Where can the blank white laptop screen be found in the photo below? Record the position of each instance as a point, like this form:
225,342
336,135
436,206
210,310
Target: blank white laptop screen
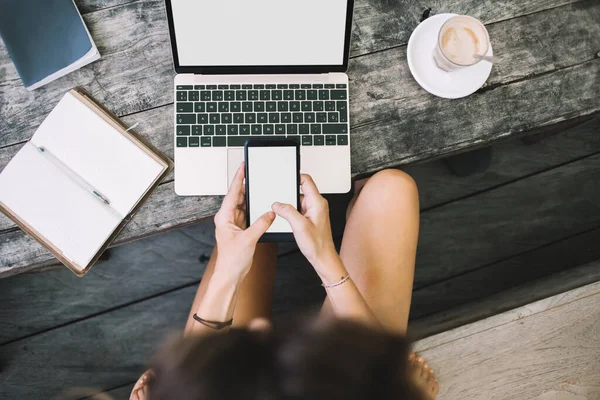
259,32
272,176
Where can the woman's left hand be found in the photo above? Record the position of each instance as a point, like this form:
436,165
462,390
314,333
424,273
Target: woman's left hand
236,243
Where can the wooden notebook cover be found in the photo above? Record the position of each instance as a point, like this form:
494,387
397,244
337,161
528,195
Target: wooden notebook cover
135,139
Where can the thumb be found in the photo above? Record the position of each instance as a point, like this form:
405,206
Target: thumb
290,214
260,226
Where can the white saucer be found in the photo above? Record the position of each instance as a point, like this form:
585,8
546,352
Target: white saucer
449,85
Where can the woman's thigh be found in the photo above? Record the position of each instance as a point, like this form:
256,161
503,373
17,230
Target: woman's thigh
380,244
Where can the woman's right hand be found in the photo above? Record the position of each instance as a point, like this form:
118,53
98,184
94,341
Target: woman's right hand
312,230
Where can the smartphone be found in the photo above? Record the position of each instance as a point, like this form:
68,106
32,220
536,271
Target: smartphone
272,175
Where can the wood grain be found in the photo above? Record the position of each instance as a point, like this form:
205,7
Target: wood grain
550,354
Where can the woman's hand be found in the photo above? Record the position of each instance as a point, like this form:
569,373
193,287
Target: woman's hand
312,230
236,243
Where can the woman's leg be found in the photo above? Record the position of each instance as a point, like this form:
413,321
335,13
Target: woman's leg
380,244
256,293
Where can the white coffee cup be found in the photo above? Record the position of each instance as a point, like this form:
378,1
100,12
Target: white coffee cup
460,40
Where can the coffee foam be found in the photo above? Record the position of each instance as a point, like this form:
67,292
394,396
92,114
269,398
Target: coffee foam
461,38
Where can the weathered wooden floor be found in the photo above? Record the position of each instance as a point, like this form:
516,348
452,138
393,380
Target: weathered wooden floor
490,242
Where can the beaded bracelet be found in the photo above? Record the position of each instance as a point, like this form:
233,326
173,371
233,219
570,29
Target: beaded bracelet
331,285
213,324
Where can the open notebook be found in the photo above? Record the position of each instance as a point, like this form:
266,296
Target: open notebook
78,181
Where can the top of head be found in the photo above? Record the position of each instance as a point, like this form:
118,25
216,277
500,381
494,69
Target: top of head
461,38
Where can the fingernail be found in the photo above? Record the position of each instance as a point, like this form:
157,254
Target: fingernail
276,205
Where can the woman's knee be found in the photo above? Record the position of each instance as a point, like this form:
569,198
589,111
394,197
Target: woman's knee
392,185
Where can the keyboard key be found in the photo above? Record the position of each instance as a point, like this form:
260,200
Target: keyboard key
304,129
298,117
235,87
319,140
184,87
330,106
276,95
332,117
261,118
265,95
338,94
300,94
223,107
215,118
182,96
315,129
321,117
259,86
237,141
221,87
203,118
229,95
294,106
329,86
307,140
206,141
217,95
211,87
271,106
342,140
306,106
286,117
240,95
341,85
185,107
309,117
295,86
282,106
330,140
246,106
317,106
288,95
335,128
205,95
194,142
305,86
273,118
280,129
251,118
259,106
343,116
200,107
244,129
199,87
318,86
183,130
282,86
238,118
246,86
209,130
232,129
211,107
294,137
235,106
256,129
342,106
323,94
268,129
311,94
271,86
186,119
219,141
220,130
194,95
292,129
197,130
226,118
253,95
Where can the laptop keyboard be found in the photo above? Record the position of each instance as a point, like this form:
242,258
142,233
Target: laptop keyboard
228,115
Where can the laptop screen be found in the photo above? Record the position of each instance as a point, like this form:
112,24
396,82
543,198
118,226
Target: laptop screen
210,33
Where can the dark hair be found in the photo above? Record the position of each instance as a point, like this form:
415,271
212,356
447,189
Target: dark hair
319,361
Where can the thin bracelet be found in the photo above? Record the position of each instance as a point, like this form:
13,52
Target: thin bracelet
213,324
337,283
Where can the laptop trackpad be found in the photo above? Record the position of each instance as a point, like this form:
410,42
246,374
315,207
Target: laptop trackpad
234,159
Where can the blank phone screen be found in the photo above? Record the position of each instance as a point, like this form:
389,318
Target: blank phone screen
272,175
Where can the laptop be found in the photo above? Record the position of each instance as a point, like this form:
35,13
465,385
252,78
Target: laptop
260,70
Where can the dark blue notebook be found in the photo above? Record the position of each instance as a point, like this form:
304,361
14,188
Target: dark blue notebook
45,39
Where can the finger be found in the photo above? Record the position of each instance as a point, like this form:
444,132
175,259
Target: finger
309,187
232,198
260,226
290,214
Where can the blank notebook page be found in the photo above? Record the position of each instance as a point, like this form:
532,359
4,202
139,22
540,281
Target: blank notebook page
98,153
62,211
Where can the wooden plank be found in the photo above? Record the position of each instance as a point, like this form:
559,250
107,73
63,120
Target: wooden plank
512,219
456,319
89,6
135,35
555,349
